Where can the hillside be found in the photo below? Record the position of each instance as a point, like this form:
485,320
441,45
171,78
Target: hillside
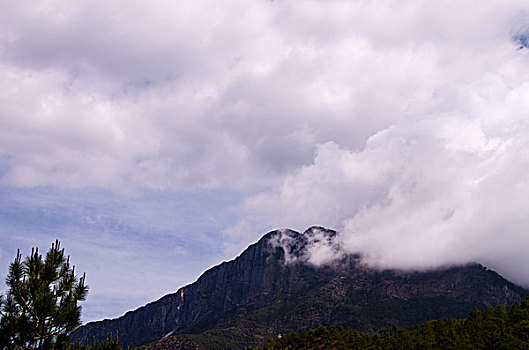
272,288
499,328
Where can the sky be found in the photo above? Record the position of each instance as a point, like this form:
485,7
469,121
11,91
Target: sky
157,139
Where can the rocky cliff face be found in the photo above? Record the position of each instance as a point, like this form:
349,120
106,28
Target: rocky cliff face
274,285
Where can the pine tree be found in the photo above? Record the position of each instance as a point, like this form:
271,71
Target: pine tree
40,310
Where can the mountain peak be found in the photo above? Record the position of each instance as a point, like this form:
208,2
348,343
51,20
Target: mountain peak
315,246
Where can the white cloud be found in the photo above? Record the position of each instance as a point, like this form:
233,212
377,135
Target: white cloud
179,250
444,188
237,94
401,123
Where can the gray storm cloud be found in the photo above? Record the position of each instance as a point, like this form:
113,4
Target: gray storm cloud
402,124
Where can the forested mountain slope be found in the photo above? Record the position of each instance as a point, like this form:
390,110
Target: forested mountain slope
495,329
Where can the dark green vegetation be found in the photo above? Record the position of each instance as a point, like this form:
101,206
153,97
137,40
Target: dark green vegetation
110,343
40,309
498,328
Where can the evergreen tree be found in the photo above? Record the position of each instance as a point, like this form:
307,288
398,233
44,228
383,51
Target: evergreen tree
40,310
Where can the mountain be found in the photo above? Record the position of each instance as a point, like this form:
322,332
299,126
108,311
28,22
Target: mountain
499,328
273,287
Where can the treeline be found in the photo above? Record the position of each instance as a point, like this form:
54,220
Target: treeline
498,328
63,343
110,343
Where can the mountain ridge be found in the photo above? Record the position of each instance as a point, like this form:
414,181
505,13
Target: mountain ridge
272,285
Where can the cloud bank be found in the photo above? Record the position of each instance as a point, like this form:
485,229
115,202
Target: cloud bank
402,124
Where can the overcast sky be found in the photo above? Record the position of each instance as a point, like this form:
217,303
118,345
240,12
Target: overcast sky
156,139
